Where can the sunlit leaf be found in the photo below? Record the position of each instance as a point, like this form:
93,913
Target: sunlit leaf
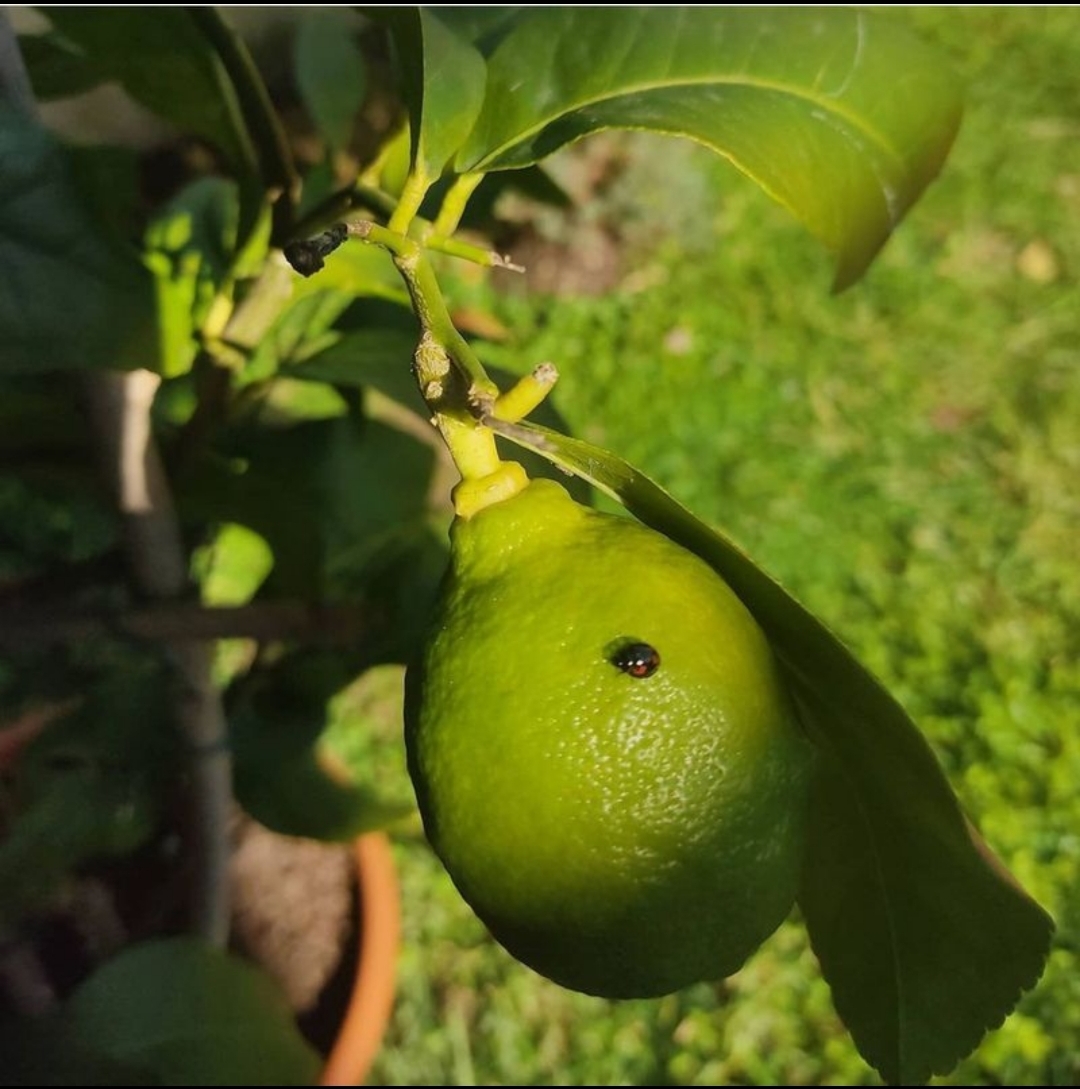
189,246
924,938
484,27
234,566
842,116
443,85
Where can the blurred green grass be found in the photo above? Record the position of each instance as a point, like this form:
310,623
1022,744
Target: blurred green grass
905,458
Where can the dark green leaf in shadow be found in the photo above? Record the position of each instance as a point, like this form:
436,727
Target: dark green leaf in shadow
842,116
57,68
330,73
44,1051
304,329
284,778
443,80
192,1015
91,785
356,482
924,938
377,358
108,182
164,61
276,170
70,296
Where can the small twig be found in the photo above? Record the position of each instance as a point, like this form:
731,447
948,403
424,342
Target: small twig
184,621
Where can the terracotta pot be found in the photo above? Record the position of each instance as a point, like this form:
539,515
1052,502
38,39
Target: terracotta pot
372,999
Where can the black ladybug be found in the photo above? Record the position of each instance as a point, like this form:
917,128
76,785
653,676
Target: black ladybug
637,659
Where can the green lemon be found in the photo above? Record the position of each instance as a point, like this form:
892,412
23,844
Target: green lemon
605,758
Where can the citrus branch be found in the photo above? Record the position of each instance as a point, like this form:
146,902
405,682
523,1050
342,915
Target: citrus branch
452,380
453,205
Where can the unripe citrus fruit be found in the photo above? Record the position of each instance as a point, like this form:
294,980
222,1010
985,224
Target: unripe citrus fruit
605,758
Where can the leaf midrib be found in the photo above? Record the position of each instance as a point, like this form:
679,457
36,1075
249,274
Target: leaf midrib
827,103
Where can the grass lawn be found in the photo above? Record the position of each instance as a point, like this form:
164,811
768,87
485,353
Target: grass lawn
905,458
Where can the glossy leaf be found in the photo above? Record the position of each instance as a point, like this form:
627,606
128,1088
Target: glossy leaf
70,296
190,1015
443,85
484,27
842,116
330,74
924,938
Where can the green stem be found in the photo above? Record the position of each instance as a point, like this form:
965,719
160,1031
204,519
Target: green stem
430,307
453,205
518,401
338,205
412,196
454,247
442,350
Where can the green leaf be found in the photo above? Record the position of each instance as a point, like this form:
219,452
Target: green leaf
190,68
192,1015
57,68
924,938
330,74
189,246
357,482
165,62
842,116
302,330
276,168
378,358
108,182
284,778
484,27
91,785
70,296
234,566
43,1051
443,85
